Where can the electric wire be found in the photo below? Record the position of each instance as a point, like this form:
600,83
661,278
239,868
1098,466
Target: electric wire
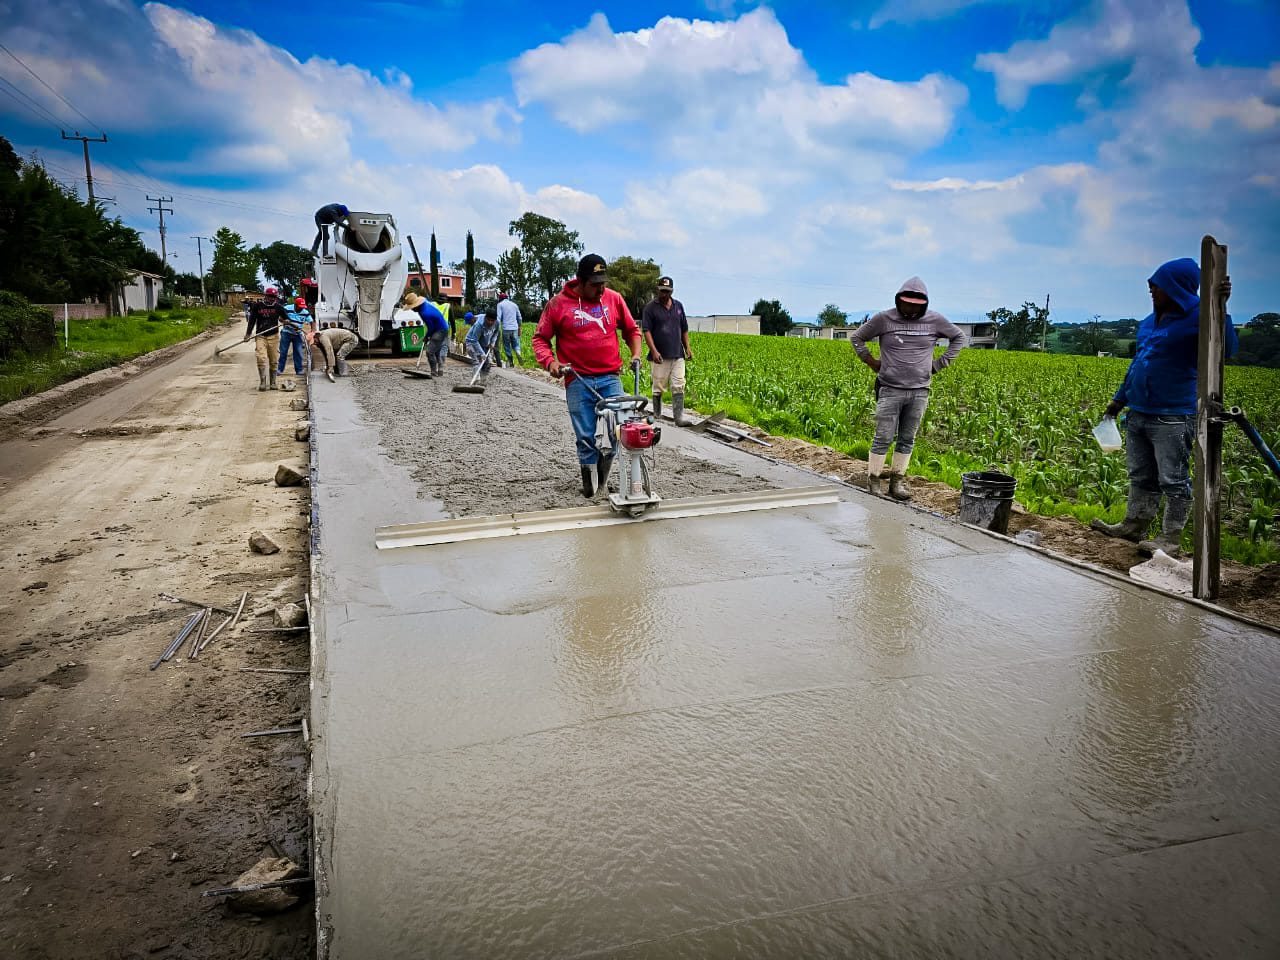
40,79
30,103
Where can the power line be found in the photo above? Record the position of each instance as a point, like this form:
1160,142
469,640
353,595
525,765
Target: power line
47,87
31,101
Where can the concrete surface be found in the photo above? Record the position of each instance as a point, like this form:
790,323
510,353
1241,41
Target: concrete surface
838,731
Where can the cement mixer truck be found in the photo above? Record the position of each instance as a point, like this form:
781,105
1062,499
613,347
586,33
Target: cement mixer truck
360,280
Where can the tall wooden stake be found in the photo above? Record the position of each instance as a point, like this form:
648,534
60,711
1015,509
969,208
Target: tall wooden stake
1208,478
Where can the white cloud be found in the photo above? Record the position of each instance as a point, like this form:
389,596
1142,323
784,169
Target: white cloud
735,87
915,11
1153,36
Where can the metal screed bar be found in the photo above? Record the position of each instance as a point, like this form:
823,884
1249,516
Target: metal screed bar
578,518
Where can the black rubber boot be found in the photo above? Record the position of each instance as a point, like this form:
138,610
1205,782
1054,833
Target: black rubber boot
262,376
1140,510
677,409
589,481
898,488
603,466
1176,510
873,485
657,405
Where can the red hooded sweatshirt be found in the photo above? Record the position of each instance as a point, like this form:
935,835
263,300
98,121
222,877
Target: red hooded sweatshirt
585,333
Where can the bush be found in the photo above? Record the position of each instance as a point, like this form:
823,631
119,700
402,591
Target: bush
164,303
23,328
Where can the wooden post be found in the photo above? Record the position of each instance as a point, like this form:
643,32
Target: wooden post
1208,465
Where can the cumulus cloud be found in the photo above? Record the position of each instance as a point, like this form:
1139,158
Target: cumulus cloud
737,85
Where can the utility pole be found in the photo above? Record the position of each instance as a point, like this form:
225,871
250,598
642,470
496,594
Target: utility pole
160,209
1044,324
200,255
88,169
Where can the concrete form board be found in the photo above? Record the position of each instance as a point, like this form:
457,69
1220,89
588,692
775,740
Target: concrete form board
846,730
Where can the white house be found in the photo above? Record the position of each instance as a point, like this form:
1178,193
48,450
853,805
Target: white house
140,291
726,323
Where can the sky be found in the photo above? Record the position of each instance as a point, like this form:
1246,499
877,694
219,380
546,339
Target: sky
812,152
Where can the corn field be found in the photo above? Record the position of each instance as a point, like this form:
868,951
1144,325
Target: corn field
1025,414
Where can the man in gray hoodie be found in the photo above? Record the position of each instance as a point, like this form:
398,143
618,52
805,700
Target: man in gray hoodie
904,369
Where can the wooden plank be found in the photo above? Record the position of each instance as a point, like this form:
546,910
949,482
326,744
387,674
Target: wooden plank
1208,450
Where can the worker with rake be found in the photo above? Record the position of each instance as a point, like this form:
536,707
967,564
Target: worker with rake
265,317
904,370
582,321
481,339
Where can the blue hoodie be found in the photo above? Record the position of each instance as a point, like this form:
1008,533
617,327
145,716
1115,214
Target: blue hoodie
1162,378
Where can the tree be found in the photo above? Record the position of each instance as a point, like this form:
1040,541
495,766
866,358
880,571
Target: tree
1260,342
516,277
774,319
435,268
549,250
233,265
833,316
285,263
1020,330
470,288
1090,338
186,285
636,280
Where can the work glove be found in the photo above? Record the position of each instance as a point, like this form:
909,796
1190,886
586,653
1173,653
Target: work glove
1113,409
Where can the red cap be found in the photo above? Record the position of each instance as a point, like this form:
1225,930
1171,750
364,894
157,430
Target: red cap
300,303
269,291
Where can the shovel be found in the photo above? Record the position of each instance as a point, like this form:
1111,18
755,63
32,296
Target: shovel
472,387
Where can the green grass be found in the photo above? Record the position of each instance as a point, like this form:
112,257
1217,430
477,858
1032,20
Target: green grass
97,344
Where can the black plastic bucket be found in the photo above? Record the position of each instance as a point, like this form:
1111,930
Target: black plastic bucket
986,499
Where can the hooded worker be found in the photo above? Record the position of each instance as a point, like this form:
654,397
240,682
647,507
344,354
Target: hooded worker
583,321
328,216
1159,389
265,318
904,371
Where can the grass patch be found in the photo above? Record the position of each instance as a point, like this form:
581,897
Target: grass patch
100,343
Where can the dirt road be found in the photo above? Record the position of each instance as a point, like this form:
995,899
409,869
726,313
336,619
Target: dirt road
125,792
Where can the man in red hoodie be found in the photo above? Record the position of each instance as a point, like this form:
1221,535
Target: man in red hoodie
583,319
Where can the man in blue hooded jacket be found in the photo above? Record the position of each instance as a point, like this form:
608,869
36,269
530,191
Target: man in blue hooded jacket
1160,391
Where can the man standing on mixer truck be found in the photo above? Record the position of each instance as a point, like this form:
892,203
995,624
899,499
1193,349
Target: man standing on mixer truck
583,320
1159,389
906,365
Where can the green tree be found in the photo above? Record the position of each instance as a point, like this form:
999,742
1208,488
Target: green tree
233,264
1089,338
187,285
285,263
549,249
833,316
1020,329
470,271
1260,342
516,277
774,319
636,280
435,268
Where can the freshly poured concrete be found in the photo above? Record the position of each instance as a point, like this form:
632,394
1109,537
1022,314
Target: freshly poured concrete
836,731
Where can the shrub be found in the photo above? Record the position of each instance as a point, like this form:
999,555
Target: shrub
24,328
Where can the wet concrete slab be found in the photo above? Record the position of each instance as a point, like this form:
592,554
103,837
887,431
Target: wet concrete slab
843,730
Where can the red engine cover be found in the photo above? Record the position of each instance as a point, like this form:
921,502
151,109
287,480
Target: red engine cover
638,435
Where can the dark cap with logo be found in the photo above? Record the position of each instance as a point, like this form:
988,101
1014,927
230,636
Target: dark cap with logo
664,283
593,269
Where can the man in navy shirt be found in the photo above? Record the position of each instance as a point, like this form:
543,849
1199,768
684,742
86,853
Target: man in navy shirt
666,334
1160,391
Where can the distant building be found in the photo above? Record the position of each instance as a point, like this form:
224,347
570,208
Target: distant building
805,330
726,323
453,286
140,291
982,336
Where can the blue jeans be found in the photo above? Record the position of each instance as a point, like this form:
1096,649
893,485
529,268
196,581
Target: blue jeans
511,344
1159,453
437,347
582,410
290,338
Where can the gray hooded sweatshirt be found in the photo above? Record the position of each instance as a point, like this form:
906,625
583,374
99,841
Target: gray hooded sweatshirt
906,346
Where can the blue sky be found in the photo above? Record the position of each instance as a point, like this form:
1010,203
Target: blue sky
813,152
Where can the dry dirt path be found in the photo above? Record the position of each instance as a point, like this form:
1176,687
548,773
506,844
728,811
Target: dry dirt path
125,792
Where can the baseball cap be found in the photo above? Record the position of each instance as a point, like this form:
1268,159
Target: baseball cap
664,283
269,291
593,269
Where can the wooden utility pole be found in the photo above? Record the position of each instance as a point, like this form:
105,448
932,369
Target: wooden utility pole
88,168
435,269
161,209
1208,479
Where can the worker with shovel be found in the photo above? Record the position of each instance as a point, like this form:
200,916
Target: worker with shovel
265,317
1159,389
582,321
437,345
904,370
